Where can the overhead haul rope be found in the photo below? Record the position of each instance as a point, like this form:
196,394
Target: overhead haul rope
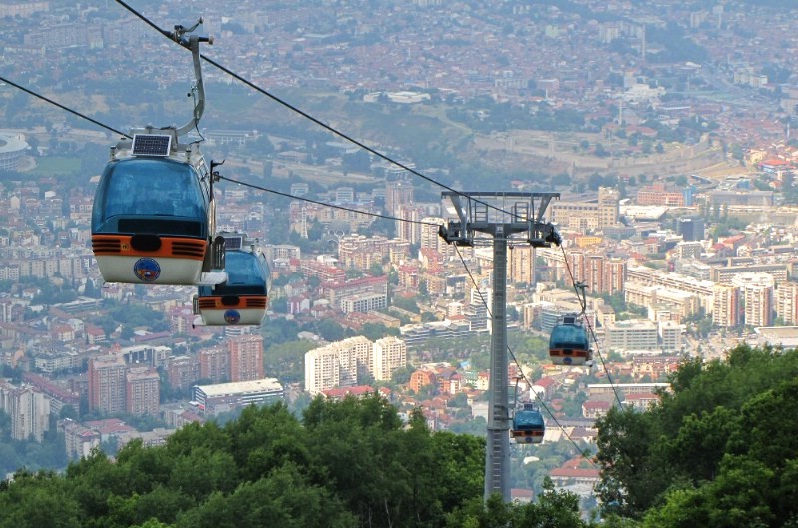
309,117
583,300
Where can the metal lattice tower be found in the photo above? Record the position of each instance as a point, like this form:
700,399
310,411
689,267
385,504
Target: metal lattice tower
500,215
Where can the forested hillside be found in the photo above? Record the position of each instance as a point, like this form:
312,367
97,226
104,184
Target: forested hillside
721,450
349,463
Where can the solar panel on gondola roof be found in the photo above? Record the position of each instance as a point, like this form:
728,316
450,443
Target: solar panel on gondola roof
233,242
151,144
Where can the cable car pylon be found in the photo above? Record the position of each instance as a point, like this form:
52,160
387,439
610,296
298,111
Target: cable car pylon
502,215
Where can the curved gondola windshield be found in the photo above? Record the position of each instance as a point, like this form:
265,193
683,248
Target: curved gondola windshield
528,419
569,336
246,274
154,188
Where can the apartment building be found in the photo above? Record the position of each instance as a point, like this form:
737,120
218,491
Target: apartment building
183,371
390,353
726,305
336,292
787,303
348,362
246,357
107,379
674,281
682,304
588,216
632,335
29,410
757,296
79,440
142,391
214,364
322,370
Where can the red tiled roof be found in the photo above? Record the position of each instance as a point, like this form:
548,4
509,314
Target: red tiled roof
360,390
545,382
584,473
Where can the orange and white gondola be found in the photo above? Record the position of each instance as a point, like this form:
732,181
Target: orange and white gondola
153,215
243,298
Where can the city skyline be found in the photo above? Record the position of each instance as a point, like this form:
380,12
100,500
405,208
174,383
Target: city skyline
680,248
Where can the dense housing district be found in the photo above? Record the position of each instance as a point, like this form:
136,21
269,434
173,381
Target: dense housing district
680,258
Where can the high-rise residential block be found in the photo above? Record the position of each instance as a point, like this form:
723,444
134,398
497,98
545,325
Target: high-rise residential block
107,384
142,387
390,353
246,358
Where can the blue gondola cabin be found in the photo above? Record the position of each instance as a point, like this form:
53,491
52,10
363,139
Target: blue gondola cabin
528,425
153,214
569,343
243,298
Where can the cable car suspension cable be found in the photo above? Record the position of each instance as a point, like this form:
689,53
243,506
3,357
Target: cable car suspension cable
583,300
304,114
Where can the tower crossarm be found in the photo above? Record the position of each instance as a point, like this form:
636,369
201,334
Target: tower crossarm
499,214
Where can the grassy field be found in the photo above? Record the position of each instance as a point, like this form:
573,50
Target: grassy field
55,165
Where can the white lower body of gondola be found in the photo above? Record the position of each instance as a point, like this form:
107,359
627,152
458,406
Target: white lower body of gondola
232,317
150,270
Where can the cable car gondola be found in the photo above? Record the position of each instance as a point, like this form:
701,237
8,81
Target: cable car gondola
528,425
243,297
569,343
153,216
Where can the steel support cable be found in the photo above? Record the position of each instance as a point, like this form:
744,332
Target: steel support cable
332,206
309,117
592,334
62,107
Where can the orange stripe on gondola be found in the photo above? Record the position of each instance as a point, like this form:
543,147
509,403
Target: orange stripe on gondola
561,353
215,302
527,433
171,247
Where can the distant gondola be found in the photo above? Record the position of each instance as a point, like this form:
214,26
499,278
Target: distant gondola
528,425
243,298
569,343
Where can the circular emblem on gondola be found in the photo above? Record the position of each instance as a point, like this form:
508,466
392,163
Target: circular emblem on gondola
567,360
147,269
232,316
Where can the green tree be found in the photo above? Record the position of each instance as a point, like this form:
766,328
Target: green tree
285,498
36,500
716,451
330,330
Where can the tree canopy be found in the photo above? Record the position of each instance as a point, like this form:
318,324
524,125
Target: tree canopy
348,463
720,450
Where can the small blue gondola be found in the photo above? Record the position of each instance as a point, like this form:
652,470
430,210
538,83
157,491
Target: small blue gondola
569,343
243,298
528,425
